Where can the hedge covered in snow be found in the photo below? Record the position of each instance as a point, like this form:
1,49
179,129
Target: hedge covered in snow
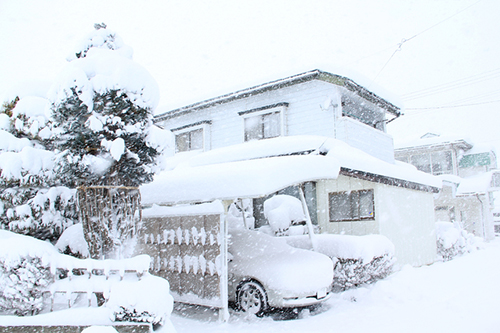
24,273
357,259
147,300
28,268
452,241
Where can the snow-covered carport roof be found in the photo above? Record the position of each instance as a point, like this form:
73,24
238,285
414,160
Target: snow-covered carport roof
315,74
480,184
258,168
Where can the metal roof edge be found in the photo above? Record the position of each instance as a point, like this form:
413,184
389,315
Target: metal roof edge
280,83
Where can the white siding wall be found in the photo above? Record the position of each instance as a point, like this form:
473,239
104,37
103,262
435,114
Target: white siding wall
305,115
405,216
361,136
314,109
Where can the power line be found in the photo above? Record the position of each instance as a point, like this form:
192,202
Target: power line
452,106
400,44
488,75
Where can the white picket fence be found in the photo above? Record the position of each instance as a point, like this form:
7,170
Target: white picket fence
88,276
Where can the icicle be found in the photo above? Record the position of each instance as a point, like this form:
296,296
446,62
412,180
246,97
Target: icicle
195,264
187,264
179,235
195,234
203,236
178,264
171,236
211,267
203,264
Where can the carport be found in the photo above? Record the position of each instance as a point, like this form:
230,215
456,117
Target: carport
184,224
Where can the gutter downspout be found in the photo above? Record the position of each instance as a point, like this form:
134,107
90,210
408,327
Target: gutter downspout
482,216
310,228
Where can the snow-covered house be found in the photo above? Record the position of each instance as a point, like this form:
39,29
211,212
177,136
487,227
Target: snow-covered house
469,179
317,132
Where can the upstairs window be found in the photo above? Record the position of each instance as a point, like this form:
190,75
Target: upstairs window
351,206
437,163
363,111
191,140
263,126
263,123
192,136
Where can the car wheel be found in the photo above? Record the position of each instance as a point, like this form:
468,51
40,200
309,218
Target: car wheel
251,298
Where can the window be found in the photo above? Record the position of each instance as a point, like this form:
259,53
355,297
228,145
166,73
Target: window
441,163
363,111
263,126
264,123
193,136
437,163
351,206
422,162
190,140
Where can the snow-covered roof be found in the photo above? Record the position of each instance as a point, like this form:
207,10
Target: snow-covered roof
482,183
257,168
425,142
315,74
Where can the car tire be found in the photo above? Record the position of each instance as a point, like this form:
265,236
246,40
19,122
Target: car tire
251,298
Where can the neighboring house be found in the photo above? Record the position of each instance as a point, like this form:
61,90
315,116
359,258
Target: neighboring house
469,179
315,132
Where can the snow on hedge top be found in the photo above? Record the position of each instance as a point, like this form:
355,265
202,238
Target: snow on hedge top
107,65
258,168
364,248
14,246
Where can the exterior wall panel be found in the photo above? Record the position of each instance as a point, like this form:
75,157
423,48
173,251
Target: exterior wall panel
404,216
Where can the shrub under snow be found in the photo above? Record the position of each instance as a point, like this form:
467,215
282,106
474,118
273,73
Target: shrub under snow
357,259
452,241
147,300
24,273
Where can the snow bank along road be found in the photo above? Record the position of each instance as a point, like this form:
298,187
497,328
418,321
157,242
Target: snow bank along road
461,295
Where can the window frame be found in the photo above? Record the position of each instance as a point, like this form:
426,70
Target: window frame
363,111
261,112
202,125
354,211
434,165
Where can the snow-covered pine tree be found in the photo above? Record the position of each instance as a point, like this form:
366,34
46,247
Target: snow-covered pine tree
102,111
30,203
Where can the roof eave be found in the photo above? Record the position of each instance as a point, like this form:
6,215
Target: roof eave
278,84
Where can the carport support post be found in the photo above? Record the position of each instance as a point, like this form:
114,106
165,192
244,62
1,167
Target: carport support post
224,310
310,228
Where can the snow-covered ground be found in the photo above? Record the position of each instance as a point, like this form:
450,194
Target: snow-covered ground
461,295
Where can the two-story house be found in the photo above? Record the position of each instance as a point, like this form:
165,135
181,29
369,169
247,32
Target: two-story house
469,179
317,133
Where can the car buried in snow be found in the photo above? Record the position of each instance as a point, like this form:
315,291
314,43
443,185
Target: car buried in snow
265,273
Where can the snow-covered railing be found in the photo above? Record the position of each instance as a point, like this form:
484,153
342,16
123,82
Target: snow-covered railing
89,276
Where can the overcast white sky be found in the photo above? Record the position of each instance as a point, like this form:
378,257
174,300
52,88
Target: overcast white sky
201,49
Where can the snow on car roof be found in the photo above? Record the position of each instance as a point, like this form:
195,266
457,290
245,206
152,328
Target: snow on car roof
258,168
